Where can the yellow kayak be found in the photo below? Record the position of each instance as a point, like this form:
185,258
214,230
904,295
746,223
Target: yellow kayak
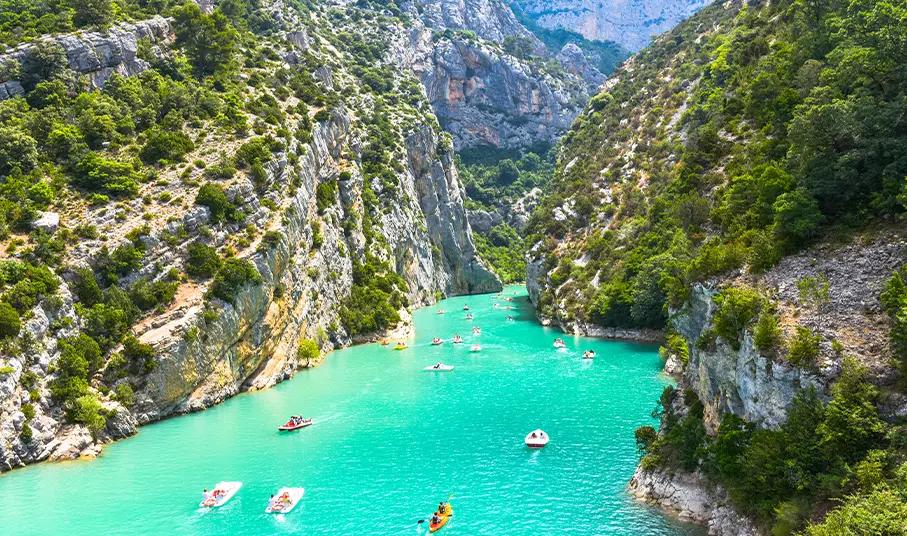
401,346
432,527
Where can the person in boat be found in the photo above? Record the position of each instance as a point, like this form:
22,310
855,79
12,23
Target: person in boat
272,501
205,495
438,365
533,436
285,498
435,518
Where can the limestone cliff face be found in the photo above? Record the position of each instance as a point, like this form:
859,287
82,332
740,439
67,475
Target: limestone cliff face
96,55
251,344
480,94
489,19
484,97
630,23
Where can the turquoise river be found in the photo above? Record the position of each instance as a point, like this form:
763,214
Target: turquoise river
389,441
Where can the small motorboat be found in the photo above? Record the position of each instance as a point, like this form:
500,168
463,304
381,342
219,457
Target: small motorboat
440,311
385,342
401,346
222,492
436,341
469,316
510,319
495,306
476,331
465,307
588,354
559,343
439,367
536,439
285,500
457,339
295,423
475,348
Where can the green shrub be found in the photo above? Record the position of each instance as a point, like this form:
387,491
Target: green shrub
167,146
269,241
768,335
804,347
9,321
87,410
212,196
375,299
98,174
894,303
322,115
308,351
317,237
138,355
124,394
675,344
148,295
255,150
203,260
326,195
737,308
231,277
813,290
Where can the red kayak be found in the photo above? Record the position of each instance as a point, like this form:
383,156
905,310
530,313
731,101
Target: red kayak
290,426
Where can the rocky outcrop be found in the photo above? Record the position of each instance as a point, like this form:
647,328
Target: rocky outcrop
489,19
484,97
630,23
573,59
686,496
480,94
441,198
741,381
202,359
96,55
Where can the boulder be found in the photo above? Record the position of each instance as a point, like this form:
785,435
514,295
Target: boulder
48,222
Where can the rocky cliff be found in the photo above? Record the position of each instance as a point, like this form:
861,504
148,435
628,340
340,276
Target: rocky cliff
96,55
630,23
483,95
304,248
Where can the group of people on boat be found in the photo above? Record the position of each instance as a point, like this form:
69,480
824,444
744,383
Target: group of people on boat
212,496
436,341
279,503
559,343
476,330
457,339
296,420
589,354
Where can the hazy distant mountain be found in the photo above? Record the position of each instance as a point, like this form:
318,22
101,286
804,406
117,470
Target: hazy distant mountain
630,23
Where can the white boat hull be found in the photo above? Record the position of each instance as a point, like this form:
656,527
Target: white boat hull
295,495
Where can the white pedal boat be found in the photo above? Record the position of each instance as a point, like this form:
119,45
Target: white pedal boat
439,366
536,439
281,507
229,489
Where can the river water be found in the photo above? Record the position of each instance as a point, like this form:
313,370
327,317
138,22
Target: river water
389,441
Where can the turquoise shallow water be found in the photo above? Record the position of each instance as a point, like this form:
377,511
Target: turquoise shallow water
390,441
